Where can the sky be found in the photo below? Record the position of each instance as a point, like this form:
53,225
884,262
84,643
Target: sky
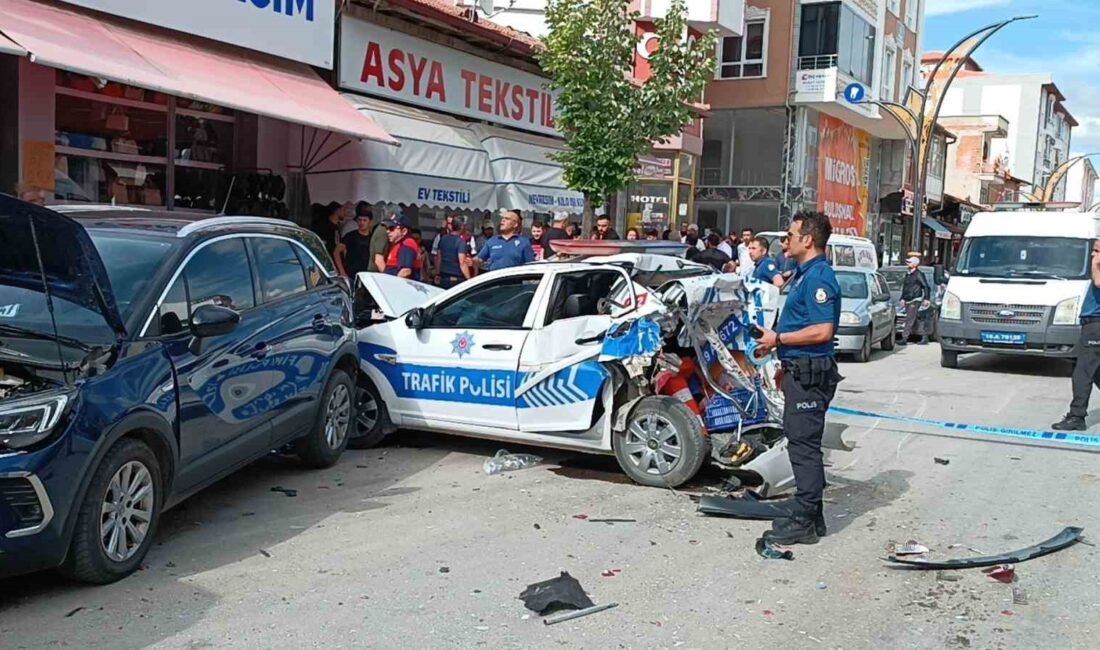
1062,41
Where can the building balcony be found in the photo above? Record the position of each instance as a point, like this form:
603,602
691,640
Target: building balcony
727,17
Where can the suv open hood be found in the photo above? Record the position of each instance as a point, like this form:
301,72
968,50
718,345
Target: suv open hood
74,269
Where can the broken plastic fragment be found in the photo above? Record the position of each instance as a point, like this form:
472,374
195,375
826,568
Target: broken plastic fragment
1068,536
1005,573
562,592
909,548
506,462
769,551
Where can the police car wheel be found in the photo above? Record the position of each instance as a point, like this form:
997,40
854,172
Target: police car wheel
664,444
369,424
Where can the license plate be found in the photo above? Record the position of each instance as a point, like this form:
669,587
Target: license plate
1004,338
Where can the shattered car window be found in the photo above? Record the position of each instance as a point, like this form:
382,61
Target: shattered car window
494,305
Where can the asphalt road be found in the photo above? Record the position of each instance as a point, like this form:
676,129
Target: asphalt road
412,545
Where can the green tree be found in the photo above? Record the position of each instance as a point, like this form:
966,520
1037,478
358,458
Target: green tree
609,120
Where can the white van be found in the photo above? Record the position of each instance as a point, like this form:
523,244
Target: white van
842,250
1018,285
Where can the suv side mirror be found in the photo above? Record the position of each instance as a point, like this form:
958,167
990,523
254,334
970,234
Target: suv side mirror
213,320
882,297
416,319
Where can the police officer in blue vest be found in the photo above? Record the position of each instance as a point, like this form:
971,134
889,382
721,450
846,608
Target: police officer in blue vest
1087,370
804,342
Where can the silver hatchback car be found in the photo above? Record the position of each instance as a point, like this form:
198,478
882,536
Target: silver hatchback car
866,313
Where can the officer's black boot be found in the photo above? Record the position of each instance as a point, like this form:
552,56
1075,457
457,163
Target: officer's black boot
1070,423
923,340
799,529
819,523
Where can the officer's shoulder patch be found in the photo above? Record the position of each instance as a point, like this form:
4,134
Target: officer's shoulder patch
820,296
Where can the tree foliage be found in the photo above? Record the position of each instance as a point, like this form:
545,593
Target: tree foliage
608,119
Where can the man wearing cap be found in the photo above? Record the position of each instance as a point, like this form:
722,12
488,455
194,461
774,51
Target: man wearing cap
555,232
509,248
915,295
380,240
403,260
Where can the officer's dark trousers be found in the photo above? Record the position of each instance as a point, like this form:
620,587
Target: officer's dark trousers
806,399
1085,372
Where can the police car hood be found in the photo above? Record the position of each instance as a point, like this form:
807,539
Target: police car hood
396,296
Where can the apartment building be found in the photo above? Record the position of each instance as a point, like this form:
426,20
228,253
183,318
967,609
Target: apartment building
1081,184
782,135
1040,127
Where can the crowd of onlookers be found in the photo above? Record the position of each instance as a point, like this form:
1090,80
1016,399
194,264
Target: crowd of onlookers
360,243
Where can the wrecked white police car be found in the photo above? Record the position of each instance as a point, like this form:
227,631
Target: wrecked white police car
612,347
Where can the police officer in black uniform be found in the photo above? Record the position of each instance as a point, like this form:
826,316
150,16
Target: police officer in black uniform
804,342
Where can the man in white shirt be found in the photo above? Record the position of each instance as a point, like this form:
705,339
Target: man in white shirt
694,228
745,265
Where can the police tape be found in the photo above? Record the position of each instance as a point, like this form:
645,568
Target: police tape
1024,434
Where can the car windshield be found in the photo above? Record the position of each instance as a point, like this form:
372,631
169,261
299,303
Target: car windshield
852,285
131,262
1064,258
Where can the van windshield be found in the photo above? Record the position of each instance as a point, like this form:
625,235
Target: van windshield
1060,258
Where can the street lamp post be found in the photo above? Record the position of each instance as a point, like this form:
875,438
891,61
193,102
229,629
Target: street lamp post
922,108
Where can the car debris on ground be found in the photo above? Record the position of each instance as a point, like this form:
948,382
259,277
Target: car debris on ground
1068,537
504,461
549,596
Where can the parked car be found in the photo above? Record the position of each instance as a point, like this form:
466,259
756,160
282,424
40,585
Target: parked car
894,276
842,250
866,316
583,356
142,358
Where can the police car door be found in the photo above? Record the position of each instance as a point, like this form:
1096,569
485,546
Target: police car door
459,369
561,379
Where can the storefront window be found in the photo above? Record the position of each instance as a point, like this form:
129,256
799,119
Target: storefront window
649,206
687,167
112,144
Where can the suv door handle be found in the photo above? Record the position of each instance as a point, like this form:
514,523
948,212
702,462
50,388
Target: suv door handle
259,352
497,347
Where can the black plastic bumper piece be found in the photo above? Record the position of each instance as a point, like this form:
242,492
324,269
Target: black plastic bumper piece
748,507
1068,537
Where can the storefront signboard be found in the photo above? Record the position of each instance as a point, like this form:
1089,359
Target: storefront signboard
815,85
843,157
299,30
378,61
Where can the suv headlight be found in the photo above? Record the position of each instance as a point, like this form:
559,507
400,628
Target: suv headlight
849,318
23,422
1065,313
952,307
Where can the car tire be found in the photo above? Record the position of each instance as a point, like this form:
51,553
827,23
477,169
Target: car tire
325,443
949,359
863,354
369,422
664,443
890,340
101,552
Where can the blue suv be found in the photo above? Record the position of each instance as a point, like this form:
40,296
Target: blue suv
144,356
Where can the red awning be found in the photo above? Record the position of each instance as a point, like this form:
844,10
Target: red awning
177,64
8,47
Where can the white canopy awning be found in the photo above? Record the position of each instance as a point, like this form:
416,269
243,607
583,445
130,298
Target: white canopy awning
443,162
527,178
440,163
